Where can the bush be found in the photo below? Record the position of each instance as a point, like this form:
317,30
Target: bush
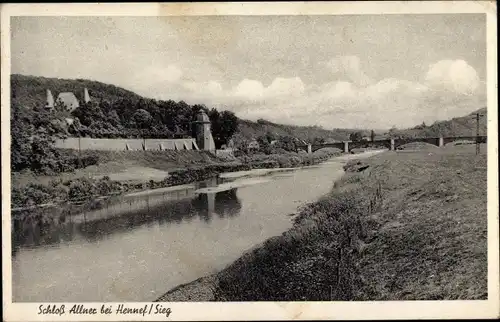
70,160
89,160
80,189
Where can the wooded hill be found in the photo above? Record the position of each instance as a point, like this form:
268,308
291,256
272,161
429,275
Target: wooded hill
458,126
30,91
260,128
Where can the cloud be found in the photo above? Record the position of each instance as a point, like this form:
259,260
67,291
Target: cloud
348,68
351,100
335,90
285,87
249,89
453,75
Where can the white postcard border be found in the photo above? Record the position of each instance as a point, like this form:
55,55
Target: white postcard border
265,310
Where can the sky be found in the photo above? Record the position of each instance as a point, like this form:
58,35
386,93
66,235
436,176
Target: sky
345,71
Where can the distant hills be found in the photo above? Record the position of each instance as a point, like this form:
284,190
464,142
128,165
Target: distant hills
250,129
458,126
30,91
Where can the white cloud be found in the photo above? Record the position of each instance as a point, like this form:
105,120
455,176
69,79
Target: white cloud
453,75
285,87
353,101
249,89
338,90
348,68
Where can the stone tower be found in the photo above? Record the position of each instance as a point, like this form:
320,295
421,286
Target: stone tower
203,134
50,100
86,96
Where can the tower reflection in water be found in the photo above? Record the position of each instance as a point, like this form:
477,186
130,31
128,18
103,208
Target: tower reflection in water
222,204
51,227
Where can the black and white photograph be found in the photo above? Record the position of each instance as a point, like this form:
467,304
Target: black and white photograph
179,157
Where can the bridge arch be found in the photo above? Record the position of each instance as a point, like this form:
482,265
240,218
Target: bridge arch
400,142
301,148
336,145
464,139
370,144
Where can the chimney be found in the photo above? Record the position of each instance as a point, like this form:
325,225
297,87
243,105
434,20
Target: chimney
86,96
50,99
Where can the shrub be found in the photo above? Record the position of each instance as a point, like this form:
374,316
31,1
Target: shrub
80,188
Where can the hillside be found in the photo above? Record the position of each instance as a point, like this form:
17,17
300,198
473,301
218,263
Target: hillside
250,129
458,126
29,91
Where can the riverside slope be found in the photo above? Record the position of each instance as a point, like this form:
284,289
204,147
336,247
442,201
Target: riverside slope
412,225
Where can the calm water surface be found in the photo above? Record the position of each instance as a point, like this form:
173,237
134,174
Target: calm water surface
135,248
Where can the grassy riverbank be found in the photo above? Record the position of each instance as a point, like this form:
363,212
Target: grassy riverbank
121,172
410,225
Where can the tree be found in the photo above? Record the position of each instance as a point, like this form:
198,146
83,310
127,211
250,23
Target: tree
318,140
264,144
240,142
392,132
270,136
286,143
33,134
20,132
372,136
114,119
142,118
223,126
356,136
88,113
78,129
125,108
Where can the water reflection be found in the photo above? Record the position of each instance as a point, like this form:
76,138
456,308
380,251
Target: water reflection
100,219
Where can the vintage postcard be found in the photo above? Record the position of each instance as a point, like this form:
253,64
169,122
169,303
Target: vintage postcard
246,161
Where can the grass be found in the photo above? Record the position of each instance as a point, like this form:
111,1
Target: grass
125,165
410,226
431,232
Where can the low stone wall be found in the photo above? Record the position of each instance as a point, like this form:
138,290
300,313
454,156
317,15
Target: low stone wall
126,144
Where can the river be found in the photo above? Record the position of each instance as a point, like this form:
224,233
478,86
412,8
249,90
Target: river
137,247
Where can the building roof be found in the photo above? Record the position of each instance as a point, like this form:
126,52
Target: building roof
68,99
70,121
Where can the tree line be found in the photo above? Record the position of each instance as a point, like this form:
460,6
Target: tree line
34,130
148,118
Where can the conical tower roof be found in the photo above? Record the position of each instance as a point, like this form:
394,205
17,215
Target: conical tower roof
202,117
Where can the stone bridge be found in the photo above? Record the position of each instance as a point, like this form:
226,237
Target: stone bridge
391,144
